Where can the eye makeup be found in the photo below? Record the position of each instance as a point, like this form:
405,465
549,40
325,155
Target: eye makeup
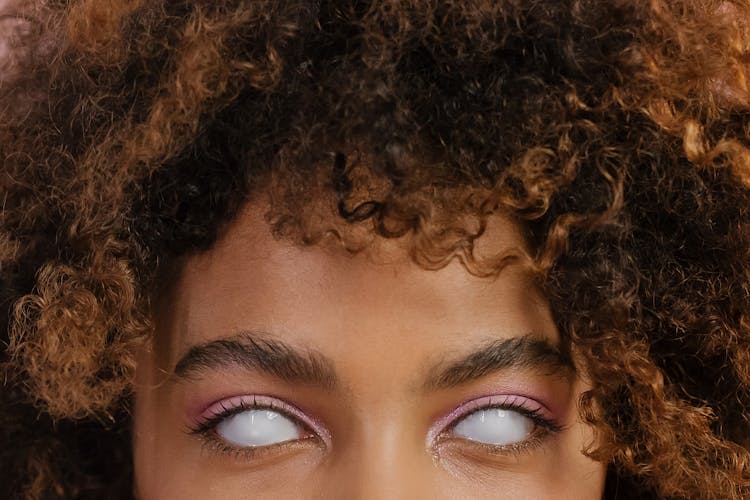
205,424
544,422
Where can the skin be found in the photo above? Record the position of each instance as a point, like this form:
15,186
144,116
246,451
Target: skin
384,330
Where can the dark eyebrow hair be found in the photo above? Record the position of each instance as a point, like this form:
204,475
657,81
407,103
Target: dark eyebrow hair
517,352
256,351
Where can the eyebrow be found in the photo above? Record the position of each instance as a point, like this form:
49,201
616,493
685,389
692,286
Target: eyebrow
255,351
526,352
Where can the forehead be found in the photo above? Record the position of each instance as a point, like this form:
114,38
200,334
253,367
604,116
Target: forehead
328,299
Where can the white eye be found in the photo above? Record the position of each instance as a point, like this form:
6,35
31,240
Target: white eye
261,427
495,426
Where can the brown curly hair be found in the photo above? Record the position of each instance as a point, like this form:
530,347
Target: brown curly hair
132,132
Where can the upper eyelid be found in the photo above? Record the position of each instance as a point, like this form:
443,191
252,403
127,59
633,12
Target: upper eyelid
212,420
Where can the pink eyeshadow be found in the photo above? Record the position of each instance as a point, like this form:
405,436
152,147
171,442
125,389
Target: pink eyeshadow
262,401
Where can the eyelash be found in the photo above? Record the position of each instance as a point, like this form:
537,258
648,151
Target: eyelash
205,430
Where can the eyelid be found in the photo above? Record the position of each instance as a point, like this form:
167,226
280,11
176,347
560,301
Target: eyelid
252,401
509,401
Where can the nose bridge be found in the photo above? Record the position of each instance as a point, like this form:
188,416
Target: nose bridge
388,460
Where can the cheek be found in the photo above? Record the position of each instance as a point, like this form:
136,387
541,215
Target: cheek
557,473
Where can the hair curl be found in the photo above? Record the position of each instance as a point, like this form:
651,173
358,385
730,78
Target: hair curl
132,131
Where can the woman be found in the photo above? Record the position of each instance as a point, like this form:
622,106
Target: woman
376,249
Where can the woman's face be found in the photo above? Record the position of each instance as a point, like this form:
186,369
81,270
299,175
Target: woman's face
305,372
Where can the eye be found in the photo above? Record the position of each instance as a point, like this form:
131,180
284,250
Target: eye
258,427
495,426
257,424
500,424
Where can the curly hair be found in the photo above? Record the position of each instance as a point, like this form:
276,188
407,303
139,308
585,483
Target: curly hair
133,131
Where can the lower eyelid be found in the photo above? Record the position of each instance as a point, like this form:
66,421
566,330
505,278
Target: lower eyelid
250,400
447,445
216,445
